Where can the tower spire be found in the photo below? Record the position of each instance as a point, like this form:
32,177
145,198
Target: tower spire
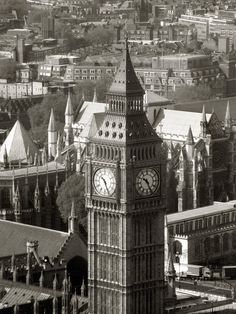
126,85
228,121
5,158
69,113
52,135
95,95
190,140
203,123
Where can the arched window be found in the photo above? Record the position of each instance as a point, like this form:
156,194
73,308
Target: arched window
217,244
207,246
197,248
234,240
225,242
5,197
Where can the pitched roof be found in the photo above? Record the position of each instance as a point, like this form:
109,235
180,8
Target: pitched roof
15,235
175,124
126,81
21,295
218,105
17,143
153,98
217,207
88,109
93,125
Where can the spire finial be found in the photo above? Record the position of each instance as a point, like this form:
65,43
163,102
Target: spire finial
51,125
227,116
190,140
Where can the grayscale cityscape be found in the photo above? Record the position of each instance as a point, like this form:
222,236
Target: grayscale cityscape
117,156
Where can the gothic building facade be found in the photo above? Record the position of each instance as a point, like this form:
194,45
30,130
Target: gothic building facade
125,201
200,152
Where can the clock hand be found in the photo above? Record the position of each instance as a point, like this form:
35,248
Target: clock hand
147,182
104,181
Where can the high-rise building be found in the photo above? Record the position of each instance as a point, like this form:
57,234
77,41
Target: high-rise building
48,26
125,201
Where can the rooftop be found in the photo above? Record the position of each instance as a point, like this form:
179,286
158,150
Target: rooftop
216,208
175,124
14,237
32,170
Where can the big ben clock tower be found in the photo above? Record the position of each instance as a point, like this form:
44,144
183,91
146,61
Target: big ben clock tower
125,202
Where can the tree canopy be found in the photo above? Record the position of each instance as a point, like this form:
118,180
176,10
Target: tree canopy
100,35
72,190
40,113
190,93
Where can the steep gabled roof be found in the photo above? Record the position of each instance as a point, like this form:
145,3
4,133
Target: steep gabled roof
175,124
17,144
126,81
15,235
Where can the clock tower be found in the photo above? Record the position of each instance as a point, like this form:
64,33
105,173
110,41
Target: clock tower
125,202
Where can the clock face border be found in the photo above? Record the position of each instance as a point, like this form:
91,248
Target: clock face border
147,181
104,182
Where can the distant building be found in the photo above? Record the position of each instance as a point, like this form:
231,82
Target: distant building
56,66
169,72
47,26
16,90
204,236
200,154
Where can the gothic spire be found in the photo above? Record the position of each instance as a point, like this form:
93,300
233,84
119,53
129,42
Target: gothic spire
95,95
126,81
58,155
82,289
52,124
55,282
227,116
5,158
69,108
190,140
41,279
203,123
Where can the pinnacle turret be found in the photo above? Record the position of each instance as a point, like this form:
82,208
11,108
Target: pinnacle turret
52,135
69,113
95,95
52,124
203,123
190,140
228,121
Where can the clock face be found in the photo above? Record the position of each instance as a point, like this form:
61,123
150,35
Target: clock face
104,181
147,181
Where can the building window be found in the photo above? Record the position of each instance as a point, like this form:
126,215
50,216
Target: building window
207,246
197,248
114,231
103,230
217,244
234,240
5,197
225,242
